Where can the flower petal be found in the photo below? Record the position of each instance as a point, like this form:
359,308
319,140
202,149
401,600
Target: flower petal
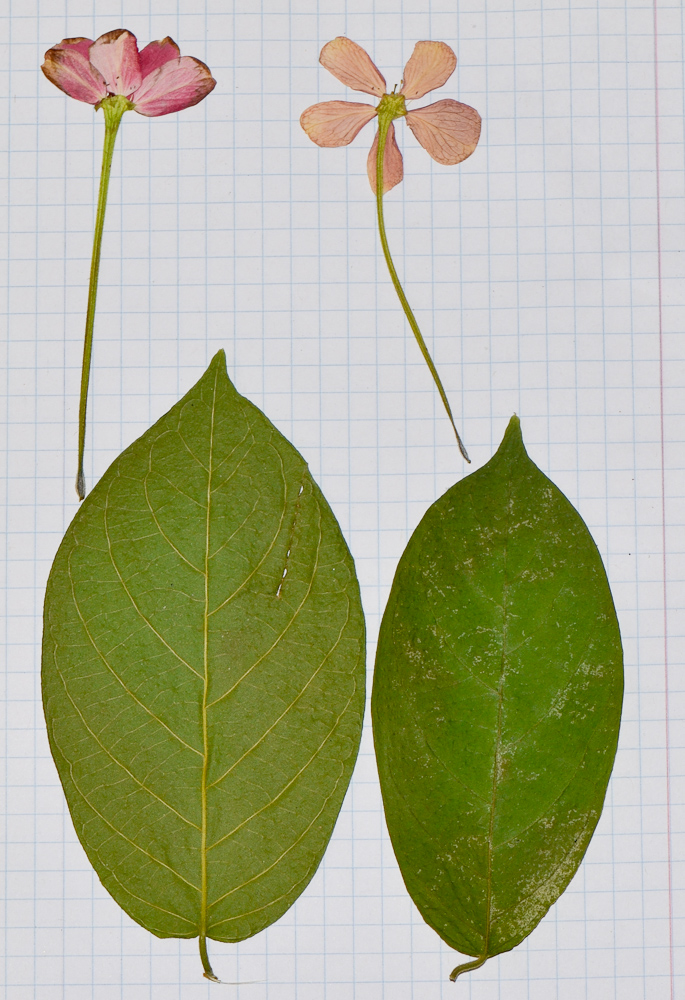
393,167
115,55
81,45
156,54
448,130
352,66
430,65
71,71
177,84
335,123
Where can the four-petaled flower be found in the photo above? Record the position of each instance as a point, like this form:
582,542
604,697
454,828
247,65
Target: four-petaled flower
448,130
155,81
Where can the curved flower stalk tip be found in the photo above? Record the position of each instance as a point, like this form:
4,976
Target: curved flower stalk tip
112,74
447,130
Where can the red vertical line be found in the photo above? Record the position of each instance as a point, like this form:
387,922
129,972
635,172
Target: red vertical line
663,499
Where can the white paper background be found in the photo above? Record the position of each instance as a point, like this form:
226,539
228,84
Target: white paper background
547,274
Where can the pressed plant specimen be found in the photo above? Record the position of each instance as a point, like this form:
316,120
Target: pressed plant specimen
448,130
114,76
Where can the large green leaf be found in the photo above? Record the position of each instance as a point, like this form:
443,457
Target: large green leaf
203,670
496,703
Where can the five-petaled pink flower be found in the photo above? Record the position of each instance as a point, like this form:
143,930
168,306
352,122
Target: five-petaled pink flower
156,81
448,130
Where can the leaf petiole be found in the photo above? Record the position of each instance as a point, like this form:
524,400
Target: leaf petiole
467,967
206,965
384,121
113,109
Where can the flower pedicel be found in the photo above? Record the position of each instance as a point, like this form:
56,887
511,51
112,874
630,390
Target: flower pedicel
448,130
112,74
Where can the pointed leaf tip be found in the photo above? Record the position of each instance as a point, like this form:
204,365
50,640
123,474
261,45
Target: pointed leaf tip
514,424
512,442
217,372
219,361
513,431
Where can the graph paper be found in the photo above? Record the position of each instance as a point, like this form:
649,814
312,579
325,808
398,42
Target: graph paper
547,274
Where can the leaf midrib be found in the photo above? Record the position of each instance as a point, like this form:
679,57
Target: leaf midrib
498,739
204,786
205,688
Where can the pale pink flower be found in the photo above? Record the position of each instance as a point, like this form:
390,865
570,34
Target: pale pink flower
157,80
448,130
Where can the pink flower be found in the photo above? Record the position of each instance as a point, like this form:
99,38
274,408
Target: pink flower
448,130
157,80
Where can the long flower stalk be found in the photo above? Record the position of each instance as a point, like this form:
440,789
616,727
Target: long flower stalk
111,73
385,117
113,108
448,130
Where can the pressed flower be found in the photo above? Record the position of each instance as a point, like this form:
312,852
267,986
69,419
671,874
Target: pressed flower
155,81
112,74
448,130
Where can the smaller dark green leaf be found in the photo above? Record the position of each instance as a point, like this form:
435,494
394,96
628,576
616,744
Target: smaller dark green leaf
496,703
